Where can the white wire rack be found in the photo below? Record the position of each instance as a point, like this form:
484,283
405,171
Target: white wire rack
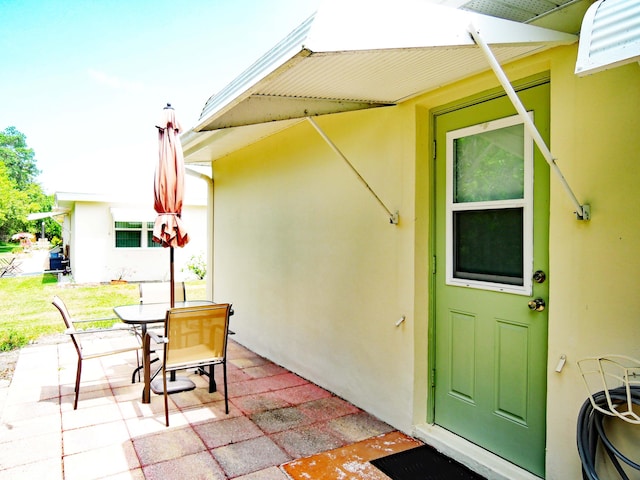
609,372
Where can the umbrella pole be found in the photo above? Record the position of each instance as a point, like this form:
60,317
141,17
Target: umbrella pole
171,278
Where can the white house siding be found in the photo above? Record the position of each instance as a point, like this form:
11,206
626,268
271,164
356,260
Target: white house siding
94,257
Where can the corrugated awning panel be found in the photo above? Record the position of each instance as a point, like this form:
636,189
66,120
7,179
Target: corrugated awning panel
337,82
610,36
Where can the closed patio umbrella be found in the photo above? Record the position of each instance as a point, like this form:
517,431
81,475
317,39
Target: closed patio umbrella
169,229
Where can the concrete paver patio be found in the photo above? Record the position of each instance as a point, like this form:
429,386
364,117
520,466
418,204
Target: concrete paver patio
275,417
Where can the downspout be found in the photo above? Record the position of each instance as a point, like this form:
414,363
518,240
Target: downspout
210,211
583,212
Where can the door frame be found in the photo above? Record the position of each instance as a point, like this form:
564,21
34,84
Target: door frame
481,97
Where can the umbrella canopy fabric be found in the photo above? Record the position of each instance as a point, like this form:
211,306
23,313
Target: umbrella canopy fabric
169,229
23,236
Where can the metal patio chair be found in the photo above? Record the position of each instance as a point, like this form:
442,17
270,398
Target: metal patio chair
84,354
193,337
156,292
9,266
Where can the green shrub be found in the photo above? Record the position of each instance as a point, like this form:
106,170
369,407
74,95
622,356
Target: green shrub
198,265
10,340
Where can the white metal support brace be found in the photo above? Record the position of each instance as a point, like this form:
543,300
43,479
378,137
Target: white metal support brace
583,212
393,217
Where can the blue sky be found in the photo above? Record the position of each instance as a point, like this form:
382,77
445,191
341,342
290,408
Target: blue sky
86,81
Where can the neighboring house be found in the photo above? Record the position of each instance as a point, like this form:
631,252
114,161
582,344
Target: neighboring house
109,238
430,318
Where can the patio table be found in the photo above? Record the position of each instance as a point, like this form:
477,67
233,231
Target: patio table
144,315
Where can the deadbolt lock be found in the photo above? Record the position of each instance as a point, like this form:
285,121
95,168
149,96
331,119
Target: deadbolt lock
539,276
537,304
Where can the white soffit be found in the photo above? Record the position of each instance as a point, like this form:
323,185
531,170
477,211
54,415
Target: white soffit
610,36
355,55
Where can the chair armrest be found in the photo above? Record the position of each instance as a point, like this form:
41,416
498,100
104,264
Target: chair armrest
89,320
157,338
73,331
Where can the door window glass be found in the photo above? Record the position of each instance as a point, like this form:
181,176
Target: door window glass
490,165
489,200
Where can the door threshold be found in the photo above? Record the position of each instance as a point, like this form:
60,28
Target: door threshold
470,455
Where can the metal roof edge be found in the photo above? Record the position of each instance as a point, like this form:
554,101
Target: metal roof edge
283,51
339,28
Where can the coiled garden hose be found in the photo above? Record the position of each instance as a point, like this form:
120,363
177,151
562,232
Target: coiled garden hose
591,430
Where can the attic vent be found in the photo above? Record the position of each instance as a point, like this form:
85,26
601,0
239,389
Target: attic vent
610,36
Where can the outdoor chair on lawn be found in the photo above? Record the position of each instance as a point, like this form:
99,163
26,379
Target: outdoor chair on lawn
9,266
156,292
74,333
194,337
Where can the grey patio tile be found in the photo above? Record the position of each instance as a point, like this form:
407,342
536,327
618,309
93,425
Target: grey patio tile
200,465
198,396
29,410
302,393
271,473
248,361
266,370
359,426
249,387
30,450
84,417
31,427
173,443
88,397
260,402
249,456
210,412
272,421
306,441
327,408
101,462
135,474
224,432
286,380
96,436
51,469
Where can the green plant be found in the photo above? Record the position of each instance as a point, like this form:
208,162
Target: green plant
12,339
198,266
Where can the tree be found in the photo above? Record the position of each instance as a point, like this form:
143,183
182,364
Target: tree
18,158
20,194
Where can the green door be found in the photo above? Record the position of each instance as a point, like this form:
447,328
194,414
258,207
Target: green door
491,237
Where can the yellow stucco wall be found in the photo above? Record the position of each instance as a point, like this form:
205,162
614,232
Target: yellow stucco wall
318,276
316,272
594,292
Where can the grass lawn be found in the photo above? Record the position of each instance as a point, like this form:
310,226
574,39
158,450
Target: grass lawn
27,312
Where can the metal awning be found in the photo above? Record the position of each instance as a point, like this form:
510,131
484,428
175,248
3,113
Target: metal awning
610,36
351,56
42,215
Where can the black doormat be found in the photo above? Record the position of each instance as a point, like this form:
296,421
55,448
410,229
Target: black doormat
423,463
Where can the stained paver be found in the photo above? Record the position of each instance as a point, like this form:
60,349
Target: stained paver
275,417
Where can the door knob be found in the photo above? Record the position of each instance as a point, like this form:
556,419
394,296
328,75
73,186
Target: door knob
537,304
539,276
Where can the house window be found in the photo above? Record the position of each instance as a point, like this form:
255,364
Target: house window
150,242
131,235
